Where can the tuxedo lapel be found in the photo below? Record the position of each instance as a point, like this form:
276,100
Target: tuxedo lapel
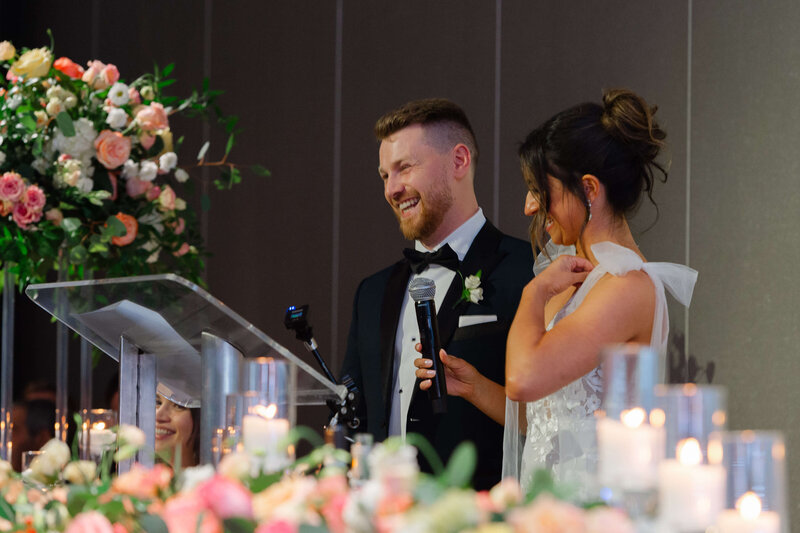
390,317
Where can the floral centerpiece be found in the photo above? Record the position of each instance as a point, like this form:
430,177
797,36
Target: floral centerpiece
89,170
314,496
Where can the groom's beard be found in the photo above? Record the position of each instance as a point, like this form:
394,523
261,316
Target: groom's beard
433,207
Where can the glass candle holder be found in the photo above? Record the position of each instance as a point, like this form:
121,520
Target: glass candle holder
630,435
691,487
97,436
755,491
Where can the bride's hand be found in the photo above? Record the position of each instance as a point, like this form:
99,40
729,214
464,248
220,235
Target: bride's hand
460,375
564,272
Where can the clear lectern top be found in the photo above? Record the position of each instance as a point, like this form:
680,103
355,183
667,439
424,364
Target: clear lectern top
166,315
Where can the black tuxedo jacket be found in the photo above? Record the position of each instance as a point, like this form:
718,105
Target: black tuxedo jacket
506,265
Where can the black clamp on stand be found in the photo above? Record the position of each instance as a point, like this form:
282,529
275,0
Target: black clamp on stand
343,411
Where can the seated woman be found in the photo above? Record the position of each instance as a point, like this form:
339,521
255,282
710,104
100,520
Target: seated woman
177,431
586,169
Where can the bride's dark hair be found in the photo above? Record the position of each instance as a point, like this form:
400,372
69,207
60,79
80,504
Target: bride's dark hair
617,142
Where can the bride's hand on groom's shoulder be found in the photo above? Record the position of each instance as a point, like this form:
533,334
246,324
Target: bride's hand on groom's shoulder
561,274
461,376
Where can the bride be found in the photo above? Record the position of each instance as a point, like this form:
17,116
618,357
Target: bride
586,169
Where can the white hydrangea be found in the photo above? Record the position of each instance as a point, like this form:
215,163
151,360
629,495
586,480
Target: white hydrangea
130,169
148,171
181,175
85,185
117,118
80,145
168,161
118,94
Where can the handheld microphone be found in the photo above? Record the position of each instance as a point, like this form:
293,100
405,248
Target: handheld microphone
422,291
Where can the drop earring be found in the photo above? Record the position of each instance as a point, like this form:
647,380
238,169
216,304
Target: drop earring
589,208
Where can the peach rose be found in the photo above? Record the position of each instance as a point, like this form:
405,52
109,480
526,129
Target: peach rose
166,199
34,198
54,215
152,117
187,514
68,67
133,96
226,497
141,482
24,215
99,75
7,51
136,187
32,64
131,227
90,522
113,148
547,515
11,187
146,140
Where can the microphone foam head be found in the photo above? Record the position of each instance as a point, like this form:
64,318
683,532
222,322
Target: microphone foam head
422,289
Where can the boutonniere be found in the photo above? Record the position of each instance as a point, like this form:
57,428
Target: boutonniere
472,290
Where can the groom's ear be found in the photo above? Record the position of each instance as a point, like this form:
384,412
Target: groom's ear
591,186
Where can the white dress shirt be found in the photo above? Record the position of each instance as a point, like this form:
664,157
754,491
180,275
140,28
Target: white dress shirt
408,330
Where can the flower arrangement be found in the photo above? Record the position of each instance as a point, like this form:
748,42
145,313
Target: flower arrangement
314,496
89,170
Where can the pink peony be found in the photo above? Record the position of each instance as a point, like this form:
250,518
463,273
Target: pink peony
152,117
99,75
136,187
11,187
34,198
24,215
141,482
278,526
183,250
226,497
187,514
113,148
333,512
90,522
166,199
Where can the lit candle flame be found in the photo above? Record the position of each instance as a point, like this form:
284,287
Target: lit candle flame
99,425
749,505
265,411
633,418
688,452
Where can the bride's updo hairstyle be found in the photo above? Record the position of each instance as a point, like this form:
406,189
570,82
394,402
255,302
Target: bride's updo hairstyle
617,142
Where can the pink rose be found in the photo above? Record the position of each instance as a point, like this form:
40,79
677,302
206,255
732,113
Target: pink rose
64,157
226,497
547,515
146,140
183,250
136,187
141,482
133,96
152,117
54,215
119,528
90,522
166,199
153,193
11,187
99,75
24,215
187,514
34,198
333,512
178,226
113,148
278,526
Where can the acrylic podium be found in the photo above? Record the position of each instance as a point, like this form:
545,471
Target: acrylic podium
168,332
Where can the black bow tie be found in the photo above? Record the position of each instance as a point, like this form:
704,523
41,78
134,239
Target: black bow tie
419,261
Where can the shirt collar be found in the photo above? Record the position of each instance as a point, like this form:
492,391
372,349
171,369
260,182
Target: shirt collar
461,239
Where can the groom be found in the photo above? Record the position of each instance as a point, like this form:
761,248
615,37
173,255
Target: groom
427,160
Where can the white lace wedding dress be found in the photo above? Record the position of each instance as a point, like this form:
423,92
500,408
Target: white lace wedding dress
560,435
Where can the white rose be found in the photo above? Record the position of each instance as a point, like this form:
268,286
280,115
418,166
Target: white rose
235,465
472,282
55,91
58,449
475,295
117,118
2,158
153,257
193,476
168,161
181,175
14,102
180,204
131,435
85,185
118,94
130,169
80,472
148,171
54,107
45,467
70,100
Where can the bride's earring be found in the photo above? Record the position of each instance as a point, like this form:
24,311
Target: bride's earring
589,208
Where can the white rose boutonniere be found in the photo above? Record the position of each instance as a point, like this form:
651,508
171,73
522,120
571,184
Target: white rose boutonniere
472,290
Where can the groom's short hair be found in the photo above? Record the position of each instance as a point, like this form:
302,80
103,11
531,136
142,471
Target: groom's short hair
447,120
